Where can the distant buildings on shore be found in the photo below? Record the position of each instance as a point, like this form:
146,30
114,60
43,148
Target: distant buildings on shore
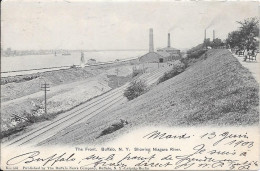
9,52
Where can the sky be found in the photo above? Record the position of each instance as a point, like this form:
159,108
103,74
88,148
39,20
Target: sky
70,24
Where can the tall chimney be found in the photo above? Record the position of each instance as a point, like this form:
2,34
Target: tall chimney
213,34
169,40
205,36
151,49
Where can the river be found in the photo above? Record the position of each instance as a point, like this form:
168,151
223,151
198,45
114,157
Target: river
28,62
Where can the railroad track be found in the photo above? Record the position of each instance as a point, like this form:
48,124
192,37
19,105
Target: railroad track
82,113
48,69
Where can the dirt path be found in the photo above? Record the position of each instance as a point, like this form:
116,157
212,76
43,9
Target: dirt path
252,66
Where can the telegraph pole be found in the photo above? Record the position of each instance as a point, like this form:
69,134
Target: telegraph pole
117,70
45,87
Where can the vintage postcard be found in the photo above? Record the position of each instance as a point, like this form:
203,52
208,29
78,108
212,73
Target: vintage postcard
129,85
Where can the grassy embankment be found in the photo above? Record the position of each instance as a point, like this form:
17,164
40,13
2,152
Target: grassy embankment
215,91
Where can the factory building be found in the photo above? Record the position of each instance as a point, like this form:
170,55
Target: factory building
174,54
162,55
150,57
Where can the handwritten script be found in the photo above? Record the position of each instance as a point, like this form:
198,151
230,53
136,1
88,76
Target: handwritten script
224,150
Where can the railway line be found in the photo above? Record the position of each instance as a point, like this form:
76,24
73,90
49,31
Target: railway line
81,113
48,69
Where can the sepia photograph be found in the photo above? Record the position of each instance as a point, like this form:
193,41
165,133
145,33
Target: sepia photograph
129,85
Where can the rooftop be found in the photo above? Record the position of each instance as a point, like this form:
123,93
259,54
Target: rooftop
163,53
168,48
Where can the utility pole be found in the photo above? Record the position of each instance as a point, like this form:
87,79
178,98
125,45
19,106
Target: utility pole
45,87
117,70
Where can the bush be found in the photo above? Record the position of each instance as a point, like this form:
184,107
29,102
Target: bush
177,69
20,127
185,62
196,54
137,72
136,88
73,66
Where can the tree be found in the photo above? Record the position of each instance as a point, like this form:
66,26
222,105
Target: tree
216,43
207,42
249,31
234,40
136,88
246,37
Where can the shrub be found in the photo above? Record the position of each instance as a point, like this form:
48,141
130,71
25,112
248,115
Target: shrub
194,57
196,54
136,72
31,118
73,66
136,88
20,127
177,69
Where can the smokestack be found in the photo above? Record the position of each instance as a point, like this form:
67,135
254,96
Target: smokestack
151,49
169,40
213,34
205,36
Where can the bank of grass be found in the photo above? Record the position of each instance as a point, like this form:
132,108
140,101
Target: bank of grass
216,91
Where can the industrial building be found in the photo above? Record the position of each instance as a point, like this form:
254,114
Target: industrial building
162,55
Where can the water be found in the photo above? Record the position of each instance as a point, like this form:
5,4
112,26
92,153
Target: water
46,61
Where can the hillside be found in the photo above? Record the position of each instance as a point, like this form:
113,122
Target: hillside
216,91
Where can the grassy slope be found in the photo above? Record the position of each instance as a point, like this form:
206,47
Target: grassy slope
215,91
